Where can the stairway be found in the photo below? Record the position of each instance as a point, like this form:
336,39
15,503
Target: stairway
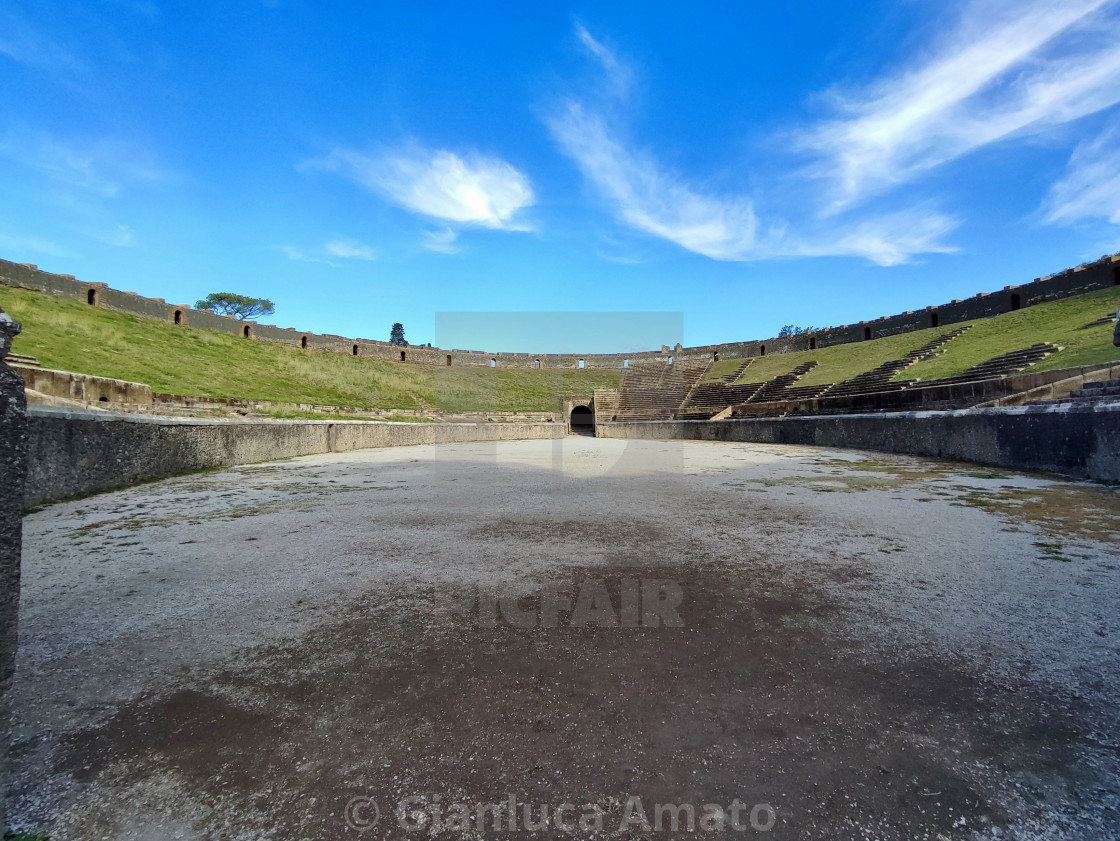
20,359
655,392
1104,319
777,388
1092,394
879,379
709,397
1001,366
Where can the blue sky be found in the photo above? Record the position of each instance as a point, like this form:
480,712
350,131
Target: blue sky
746,164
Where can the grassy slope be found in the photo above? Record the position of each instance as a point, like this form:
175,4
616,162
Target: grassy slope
721,369
1059,322
840,362
72,336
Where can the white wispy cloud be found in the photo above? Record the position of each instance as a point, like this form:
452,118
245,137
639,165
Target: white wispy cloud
887,239
301,256
651,197
617,73
103,166
338,249
469,189
15,245
442,242
349,250
115,234
648,196
1090,187
28,45
1003,70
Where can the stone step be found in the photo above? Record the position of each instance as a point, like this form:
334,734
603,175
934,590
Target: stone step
1096,393
1101,384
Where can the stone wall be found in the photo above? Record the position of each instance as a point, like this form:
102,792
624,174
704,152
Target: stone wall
13,454
73,452
1076,441
1099,275
84,387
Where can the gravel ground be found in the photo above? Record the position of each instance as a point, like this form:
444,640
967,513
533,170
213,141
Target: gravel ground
793,642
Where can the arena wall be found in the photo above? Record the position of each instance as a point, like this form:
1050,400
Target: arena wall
1072,440
76,452
1098,275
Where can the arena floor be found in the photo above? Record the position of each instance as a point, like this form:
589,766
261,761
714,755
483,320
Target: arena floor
824,644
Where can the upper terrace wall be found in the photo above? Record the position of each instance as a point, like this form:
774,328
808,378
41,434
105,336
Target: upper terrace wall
1099,275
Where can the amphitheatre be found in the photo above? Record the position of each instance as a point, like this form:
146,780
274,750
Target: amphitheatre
860,582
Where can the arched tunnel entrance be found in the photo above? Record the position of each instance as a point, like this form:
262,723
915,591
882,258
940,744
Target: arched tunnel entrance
582,421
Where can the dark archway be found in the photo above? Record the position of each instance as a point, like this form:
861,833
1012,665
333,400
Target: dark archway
178,317
247,332
303,342
404,356
762,350
1016,301
934,319
583,421
867,334
91,297
812,343
1116,274
449,360
354,350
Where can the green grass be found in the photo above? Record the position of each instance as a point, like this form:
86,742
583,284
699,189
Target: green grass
1058,322
71,336
840,362
721,369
